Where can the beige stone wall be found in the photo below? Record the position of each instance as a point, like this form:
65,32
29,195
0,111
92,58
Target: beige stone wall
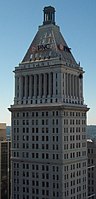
2,131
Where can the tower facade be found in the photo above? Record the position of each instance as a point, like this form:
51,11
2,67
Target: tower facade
49,152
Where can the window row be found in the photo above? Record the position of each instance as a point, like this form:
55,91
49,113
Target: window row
75,154
34,114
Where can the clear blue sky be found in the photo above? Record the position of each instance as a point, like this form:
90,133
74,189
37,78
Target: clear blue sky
19,21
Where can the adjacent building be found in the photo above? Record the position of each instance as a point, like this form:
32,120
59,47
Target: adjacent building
2,131
49,149
91,144
8,132
5,168
91,131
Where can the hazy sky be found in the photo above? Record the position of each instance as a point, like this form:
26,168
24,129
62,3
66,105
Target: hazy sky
19,21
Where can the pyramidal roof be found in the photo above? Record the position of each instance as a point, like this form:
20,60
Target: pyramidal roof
49,42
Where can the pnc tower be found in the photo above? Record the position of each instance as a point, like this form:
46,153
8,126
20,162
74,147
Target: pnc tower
49,151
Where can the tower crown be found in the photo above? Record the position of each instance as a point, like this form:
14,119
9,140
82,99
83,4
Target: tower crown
49,15
49,42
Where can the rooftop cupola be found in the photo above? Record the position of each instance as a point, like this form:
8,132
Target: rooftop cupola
49,15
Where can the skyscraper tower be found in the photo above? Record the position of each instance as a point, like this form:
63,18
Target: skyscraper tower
49,152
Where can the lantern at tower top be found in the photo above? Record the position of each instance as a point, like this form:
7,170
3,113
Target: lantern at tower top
49,15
